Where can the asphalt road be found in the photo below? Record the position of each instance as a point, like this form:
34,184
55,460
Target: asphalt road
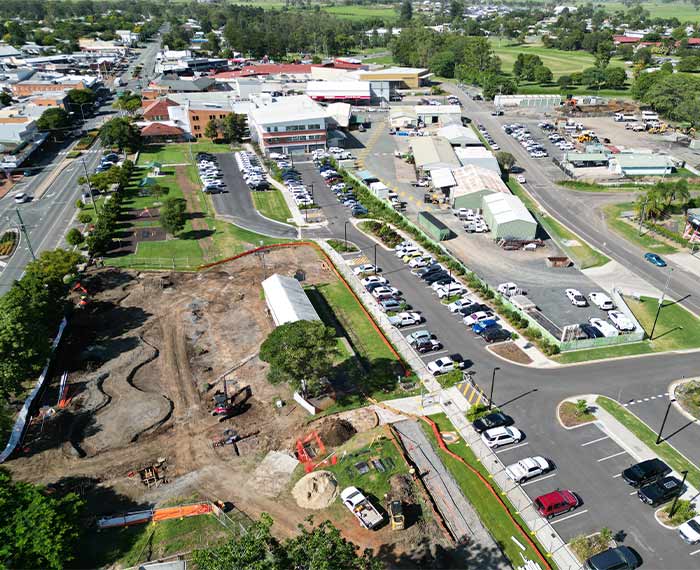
531,397
572,210
237,204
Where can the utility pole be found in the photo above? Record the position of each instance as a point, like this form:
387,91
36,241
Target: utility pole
87,179
680,492
345,230
23,229
493,380
641,215
661,302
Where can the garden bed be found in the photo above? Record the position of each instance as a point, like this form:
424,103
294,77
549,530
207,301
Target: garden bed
8,243
688,397
571,416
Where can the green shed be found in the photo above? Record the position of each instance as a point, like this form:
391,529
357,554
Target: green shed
434,227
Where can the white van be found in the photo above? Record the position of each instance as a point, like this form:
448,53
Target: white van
21,198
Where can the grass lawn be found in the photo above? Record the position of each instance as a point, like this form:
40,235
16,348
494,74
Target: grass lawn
527,88
387,13
489,510
130,545
560,62
381,60
271,204
648,436
684,12
586,355
631,233
591,187
583,254
177,153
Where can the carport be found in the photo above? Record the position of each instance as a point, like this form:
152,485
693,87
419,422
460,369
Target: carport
442,178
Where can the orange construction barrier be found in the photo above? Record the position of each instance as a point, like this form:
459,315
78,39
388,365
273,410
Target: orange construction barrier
180,512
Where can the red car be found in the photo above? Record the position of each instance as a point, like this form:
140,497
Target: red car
556,503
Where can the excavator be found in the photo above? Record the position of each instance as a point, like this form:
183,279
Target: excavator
84,295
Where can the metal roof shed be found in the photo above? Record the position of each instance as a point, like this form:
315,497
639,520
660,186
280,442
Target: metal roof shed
442,178
434,227
287,300
433,152
508,217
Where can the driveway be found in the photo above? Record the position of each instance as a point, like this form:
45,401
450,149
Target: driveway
236,204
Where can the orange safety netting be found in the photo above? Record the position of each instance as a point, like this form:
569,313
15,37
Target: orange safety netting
179,512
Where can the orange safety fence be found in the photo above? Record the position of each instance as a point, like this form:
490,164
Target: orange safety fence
179,512
488,485
337,273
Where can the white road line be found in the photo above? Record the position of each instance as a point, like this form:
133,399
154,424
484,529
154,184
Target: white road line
611,456
539,479
638,402
512,447
595,441
431,354
569,517
632,493
618,475
695,552
646,399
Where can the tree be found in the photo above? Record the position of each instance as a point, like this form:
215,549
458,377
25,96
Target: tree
300,353
443,64
211,131
505,160
593,76
78,97
213,44
37,530
406,11
603,54
129,102
493,85
121,133
234,127
315,548
689,64
478,61
54,119
667,67
543,74
173,215
564,81
615,77
5,98
456,9
643,56
74,237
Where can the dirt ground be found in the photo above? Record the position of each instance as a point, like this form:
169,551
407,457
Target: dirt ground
144,359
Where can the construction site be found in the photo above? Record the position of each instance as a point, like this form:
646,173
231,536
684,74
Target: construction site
157,398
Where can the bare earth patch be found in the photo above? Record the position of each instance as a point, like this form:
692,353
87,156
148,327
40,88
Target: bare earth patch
570,418
510,351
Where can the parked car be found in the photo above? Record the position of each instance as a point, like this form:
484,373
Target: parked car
449,290
418,336
405,319
470,309
490,421
520,178
590,331
605,328
618,558
500,436
494,334
365,268
385,290
455,306
660,491
508,289
421,261
528,468
556,503
602,301
655,259
373,279
645,472
444,365
576,298
391,305
477,317
621,321
428,345
690,531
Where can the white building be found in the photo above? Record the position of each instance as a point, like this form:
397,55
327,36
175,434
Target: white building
287,301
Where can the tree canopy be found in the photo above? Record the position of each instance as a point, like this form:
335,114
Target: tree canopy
300,353
173,215
121,133
54,119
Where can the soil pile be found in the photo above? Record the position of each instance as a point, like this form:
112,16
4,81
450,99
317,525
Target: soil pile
336,432
316,490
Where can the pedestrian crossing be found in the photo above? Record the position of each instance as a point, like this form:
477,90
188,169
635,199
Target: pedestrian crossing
473,393
359,260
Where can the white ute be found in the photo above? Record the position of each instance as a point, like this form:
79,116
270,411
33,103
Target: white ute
360,506
602,301
528,468
621,321
405,319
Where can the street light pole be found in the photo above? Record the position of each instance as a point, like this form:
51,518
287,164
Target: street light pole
375,258
661,302
663,423
675,499
23,229
493,381
345,230
87,179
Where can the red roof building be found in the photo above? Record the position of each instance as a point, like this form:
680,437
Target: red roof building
159,131
618,40
157,110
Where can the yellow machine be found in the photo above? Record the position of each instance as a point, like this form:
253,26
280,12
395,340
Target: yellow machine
396,515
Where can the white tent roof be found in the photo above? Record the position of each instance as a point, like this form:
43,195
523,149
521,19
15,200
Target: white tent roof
442,178
287,301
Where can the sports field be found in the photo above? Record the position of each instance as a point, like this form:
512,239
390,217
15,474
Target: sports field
385,12
560,62
685,12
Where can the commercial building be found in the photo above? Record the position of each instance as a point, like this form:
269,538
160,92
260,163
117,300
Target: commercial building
434,227
19,136
472,183
430,153
439,114
398,77
403,117
295,124
287,301
527,101
508,217
51,82
168,84
459,135
586,159
442,179
641,164
160,132
344,91
478,156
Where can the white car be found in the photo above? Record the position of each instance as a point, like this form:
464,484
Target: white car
605,328
602,301
455,306
576,298
405,319
508,289
690,530
449,290
408,251
404,245
365,268
528,468
379,291
621,321
419,336
443,366
418,262
477,317
520,178
496,437
373,279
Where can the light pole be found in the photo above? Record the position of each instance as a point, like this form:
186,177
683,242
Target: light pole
675,499
493,381
23,229
375,258
663,423
641,215
345,231
87,179
661,302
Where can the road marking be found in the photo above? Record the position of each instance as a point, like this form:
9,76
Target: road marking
539,479
632,493
569,517
611,456
595,441
512,447
646,399
695,552
431,354
618,475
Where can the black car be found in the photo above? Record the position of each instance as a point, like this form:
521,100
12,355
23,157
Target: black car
590,331
470,309
660,491
443,281
645,472
494,420
424,270
495,334
427,345
439,276
428,274
620,558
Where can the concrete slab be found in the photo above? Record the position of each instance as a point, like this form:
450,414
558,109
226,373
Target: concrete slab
613,274
687,261
273,473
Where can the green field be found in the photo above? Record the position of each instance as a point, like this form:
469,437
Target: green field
271,204
631,232
177,153
387,13
560,62
685,12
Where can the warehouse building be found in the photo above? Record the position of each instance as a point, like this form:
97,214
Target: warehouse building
287,301
527,101
641,164
442,179
478,156
459,135
472,183
508,217
403,117
434,227
355,92
439,114
586,159
398,77
430,153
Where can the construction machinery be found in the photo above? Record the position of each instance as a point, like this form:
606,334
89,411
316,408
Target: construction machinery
232,437
431,198
229,405
395,509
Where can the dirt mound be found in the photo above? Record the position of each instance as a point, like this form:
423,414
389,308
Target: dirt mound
316,490
336,432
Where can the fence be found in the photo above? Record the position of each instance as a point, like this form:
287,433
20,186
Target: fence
156,263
